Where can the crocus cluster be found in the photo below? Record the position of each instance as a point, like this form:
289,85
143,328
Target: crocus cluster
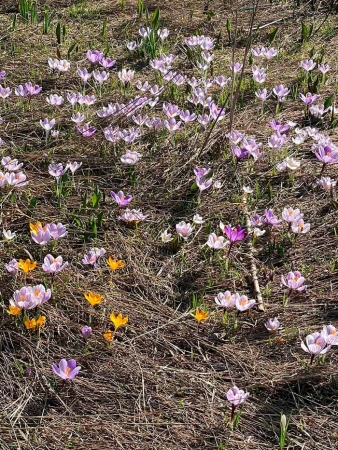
13,177
43,234
227,300
319,343
29,297
294,218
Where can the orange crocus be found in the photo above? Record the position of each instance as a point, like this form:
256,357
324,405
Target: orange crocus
114,265
26,266
34,227
200,315
14,310
41,321
93,298
108,335
119,320
30,323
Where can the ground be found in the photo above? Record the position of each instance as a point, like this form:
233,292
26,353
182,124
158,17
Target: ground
162,382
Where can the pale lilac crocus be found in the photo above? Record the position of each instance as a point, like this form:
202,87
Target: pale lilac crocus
203,183
126,76
121,199
86,130
272,325
216,242
326,183
55,100
92,257
107,63
288,163
73,166
42,236
84,74
130,157
309,98
86,331
225,300
281,92
299,227
291,215
100,77
243,303
56,170
236,68
47,124
259,74
330,334
12,267
40,294
263,94
324,68
184,229
132,216
294,281
236,397
271,219
22,298
315,344
308,65
53,265
94,56
171,124
12,165
57,230
67,370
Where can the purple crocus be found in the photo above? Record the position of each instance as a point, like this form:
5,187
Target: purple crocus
121,199
53,265
271,219
295,281
86,331
234,234
86,130
236,397
94,56
309,98
56,170
225,300
315,344
281,92
57,230
203,183
67,370
216,242
91,258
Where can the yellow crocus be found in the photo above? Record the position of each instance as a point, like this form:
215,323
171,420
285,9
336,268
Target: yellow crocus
34,227
119,320
200,315
26,266
93,298
30,323
114,265
14,310
41,321
108,335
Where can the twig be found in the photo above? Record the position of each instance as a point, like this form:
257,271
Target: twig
253,268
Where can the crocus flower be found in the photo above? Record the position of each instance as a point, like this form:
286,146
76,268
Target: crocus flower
237,396
326,183
121,199
243,303
324,68
73,166
40,294
14,311
119,320
86,331
225,300
234,234
54,100
200,315
315,344
91,258
291,215
197,219
166,237
26,266
93,298
115,264
31,324
23,298
131,157
94,56
309,98
67,370
12,267
86,130
308,65
288,163
184,229
272,325
281,92
299,227
53,265
132,216
331,335
57,230
8,234
216,242
12,165
56,170
271,219
294,281
126,76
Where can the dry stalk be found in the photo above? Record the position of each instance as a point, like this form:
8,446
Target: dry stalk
253,268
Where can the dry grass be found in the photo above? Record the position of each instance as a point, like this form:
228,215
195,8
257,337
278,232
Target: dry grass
162,383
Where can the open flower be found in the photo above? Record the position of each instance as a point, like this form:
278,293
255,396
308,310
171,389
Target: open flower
216,242
237,396
243,303
272,325
93,298
91,258
8,235
166,237
53,265
115,264
121,199
119,320
14,310
67,370
225,300
184,229
31,324
108,335
294,281
200,315
315,344
26,266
